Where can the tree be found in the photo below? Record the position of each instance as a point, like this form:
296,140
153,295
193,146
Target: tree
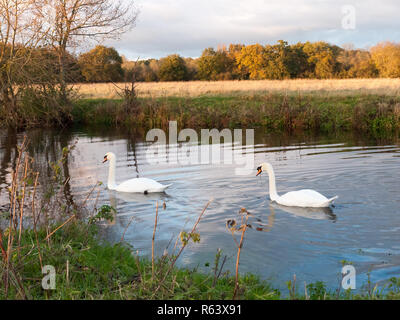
192,68
72,22
322,59
386,57
301,67
357,63
252,60
281,61
234,51
215,65
277,61
102,64
21,31
172,68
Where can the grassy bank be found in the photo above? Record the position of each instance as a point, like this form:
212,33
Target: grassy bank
365,105
318,112
88,268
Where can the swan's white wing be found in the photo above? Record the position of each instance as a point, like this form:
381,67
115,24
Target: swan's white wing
141,185
303,198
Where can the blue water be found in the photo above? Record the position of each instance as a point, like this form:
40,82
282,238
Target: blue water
363,227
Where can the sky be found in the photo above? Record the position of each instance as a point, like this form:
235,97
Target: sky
187,27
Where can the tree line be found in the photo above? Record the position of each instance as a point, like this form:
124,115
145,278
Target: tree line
317,60
37,38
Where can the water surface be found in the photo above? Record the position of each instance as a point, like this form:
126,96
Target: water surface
363,227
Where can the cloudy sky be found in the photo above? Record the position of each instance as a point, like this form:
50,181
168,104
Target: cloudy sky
187,27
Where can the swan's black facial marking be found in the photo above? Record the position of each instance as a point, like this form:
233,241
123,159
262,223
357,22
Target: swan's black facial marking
105,158
259,170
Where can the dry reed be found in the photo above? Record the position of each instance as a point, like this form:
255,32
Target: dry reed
198,88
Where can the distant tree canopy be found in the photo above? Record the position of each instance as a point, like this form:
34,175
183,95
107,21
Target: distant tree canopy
173,68
215,65
101,64
386,57
315,60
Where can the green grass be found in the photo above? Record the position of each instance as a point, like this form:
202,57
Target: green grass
373,114
101,270
319,111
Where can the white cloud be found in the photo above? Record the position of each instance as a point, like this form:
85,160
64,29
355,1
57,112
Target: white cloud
188,26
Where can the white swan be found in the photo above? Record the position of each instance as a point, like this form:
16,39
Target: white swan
136,185
303,198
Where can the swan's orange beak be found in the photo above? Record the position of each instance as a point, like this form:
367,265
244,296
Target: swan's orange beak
259,171
105,159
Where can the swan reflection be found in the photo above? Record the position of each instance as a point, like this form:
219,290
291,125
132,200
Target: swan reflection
137,197
325,213
116,198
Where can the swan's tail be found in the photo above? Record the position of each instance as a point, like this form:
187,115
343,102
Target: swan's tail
330,201
160,189
166,186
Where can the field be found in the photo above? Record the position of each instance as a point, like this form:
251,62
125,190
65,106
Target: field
197,88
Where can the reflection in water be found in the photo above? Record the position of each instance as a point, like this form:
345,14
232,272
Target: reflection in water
114,196
271,219
325,213
364,172
45,147
123,198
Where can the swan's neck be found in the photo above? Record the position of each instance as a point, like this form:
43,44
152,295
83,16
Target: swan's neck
272,184
111,175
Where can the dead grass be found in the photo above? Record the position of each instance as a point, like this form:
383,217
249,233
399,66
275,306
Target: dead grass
198,88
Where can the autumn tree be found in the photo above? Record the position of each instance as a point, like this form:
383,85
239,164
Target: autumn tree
277,61
300,66
386,57
253,61
21,32
143,70
172,68
322,58
281,61
102,64
215,65
356,63
192,68
75,22
234,51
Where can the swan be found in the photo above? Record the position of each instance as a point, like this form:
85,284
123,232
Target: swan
303,198
136,185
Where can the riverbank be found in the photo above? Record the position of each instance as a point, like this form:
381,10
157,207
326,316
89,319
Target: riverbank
376,114
88,268
317,112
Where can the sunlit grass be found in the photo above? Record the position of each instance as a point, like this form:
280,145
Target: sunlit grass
198,88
